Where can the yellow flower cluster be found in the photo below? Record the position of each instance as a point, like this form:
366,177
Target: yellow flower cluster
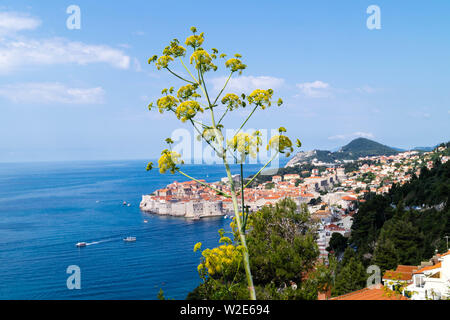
219,259
168,161
197,246
163,62
281,144
232,101
245,144
203,60
261,98
235,65
195,41
187,110
174,49
166,103
187,91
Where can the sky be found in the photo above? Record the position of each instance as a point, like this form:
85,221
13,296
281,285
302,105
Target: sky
82,94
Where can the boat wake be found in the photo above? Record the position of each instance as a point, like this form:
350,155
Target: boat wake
101,241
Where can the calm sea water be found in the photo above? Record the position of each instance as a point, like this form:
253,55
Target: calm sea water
46,208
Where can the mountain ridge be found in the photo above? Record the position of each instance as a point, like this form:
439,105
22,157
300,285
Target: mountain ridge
359,147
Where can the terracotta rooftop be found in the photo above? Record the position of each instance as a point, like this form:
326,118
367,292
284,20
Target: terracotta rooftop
401,273
372,293
445,254
428,268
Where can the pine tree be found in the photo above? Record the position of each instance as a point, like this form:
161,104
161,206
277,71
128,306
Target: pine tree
351,277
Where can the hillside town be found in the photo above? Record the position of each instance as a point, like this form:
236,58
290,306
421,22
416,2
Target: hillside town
329,192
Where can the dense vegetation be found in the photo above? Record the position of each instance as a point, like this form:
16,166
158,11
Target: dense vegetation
405,226
284,254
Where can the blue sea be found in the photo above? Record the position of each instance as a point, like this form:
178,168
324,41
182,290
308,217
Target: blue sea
46,208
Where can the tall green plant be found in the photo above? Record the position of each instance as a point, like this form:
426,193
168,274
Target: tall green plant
193,98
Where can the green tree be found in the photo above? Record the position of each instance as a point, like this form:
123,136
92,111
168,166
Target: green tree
385,255
284,254
350,275
338,243
399,243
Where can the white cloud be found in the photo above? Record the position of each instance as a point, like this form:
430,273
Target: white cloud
24,52
48,93
17,51
247,83
13,22
353,135
316,89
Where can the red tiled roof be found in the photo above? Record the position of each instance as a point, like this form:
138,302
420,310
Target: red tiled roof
372,293
427,268
403,268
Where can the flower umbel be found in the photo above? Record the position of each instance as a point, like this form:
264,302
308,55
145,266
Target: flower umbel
163,62
235,65
222,260
232,101
168,161
187,91
195,41
261,98
203,60
174,49
281,143
245,144
187,110
197,246
166,103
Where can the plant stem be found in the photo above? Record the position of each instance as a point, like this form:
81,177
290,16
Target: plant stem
243,241
221,118
244,217
260,170
237,217
243,124
179,76
218,96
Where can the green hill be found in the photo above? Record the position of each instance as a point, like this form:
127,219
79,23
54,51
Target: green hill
362,147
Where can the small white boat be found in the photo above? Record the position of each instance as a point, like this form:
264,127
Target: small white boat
81,244
129,239
145,221
129,205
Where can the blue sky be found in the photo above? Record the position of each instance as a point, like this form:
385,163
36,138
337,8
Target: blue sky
83,94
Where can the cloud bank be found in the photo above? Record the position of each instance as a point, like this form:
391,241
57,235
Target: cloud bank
51,93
